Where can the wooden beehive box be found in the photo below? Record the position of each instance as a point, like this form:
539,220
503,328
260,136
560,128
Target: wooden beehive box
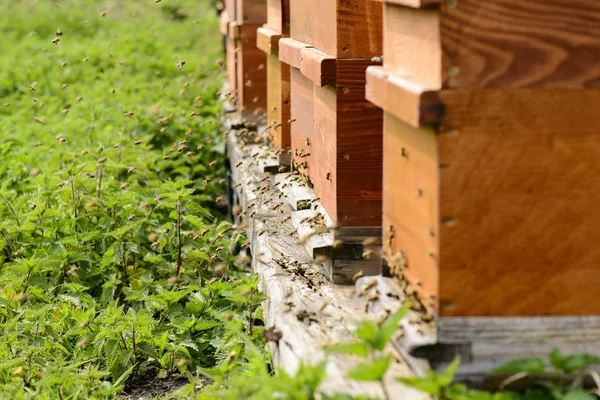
278,74
246,64
491,154
336,136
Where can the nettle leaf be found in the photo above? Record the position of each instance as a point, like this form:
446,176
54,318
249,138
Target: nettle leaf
388,327
426,384
578,394
367,330
357,349
527,365
577,362
446,377
371,371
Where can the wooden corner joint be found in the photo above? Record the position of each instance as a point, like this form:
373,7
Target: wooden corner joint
319,67
268,40
290,52
406,99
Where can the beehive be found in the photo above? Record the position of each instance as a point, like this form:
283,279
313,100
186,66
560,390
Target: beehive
490,154
278,74
336,137
246,64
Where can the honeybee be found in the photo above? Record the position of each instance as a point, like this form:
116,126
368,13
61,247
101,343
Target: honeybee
124,186
79,98
58,32
55,41
181,63
138,142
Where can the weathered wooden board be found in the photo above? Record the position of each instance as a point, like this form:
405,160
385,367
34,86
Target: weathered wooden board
342,29
495,44
302,303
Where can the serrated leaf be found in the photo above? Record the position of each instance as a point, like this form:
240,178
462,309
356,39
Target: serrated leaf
528,365
388,327
356,349
371,371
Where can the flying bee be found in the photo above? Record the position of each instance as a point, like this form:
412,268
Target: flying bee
328,176
39,121
32,87
238,164
130,170
58,32
85,59
138,142
166,157
193,113
64,86
181,63
357,275
367,254
65,111
79,98
131,217
128,114
55,41
103,13
63,64
124,186
116,145
212,164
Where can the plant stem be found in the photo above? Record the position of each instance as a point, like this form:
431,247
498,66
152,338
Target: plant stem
179,244
99,173
72,181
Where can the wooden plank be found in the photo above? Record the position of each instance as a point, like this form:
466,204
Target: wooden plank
251,11
514,44
518,192
405,99
318,66
267,40
303,117
410,206
231,8
496,340
251,73
290,52
278,102
415,3
412,47
359,149
278,16
224,23
359,29
231,64
301,20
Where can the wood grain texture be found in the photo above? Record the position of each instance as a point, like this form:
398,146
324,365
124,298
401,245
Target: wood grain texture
515,44
251,11
406,100
278,102
251,73
410,204
520,184
318,66
412,47
359,29
290,52
359,148
278,16
341,28
267,40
